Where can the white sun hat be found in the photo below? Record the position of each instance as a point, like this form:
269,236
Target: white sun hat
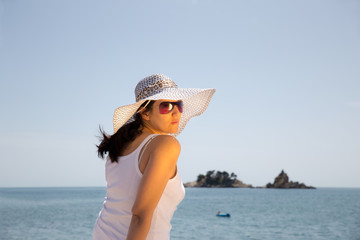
160,86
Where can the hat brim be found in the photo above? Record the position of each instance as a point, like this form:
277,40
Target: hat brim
195,102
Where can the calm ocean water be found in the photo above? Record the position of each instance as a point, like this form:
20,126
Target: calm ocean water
70,213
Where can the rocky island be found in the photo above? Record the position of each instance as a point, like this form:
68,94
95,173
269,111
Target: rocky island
218,179
282,181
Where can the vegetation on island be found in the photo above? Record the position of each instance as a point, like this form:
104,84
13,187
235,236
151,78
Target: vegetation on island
217,179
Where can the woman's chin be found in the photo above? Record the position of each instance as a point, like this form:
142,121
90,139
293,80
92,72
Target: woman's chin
175,129
172,131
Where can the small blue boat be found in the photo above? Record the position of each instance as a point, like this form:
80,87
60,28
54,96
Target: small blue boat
220,214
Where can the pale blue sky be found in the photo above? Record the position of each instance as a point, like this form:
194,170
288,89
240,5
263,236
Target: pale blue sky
286,74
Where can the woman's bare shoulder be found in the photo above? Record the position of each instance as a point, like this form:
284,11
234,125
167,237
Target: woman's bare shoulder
166,142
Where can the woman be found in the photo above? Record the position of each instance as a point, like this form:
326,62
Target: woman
143,185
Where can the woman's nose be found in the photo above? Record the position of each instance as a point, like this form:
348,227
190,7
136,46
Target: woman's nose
175,110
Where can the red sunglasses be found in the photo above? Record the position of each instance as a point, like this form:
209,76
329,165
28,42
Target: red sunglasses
167,107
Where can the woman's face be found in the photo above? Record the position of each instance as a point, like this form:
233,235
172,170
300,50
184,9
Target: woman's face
159,121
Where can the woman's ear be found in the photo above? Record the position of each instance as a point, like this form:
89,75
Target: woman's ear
145,115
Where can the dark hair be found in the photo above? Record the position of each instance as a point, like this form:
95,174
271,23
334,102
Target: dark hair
116,143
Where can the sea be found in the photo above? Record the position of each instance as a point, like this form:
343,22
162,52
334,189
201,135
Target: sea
289,214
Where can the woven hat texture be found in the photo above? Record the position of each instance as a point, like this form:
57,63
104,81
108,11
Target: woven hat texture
160,86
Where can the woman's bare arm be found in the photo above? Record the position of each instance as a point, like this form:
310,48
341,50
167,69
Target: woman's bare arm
161,167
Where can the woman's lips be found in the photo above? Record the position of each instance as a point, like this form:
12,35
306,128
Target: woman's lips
175,122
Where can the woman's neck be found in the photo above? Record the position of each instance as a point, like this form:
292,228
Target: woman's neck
149,129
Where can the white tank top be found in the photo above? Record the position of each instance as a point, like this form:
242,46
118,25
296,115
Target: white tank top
123,179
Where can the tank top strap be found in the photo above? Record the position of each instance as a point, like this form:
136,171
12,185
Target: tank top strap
145,143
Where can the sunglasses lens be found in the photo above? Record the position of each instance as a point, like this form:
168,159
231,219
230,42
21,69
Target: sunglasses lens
180,106
165,107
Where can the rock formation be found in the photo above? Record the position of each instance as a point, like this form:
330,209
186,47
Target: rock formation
217,180
282,181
